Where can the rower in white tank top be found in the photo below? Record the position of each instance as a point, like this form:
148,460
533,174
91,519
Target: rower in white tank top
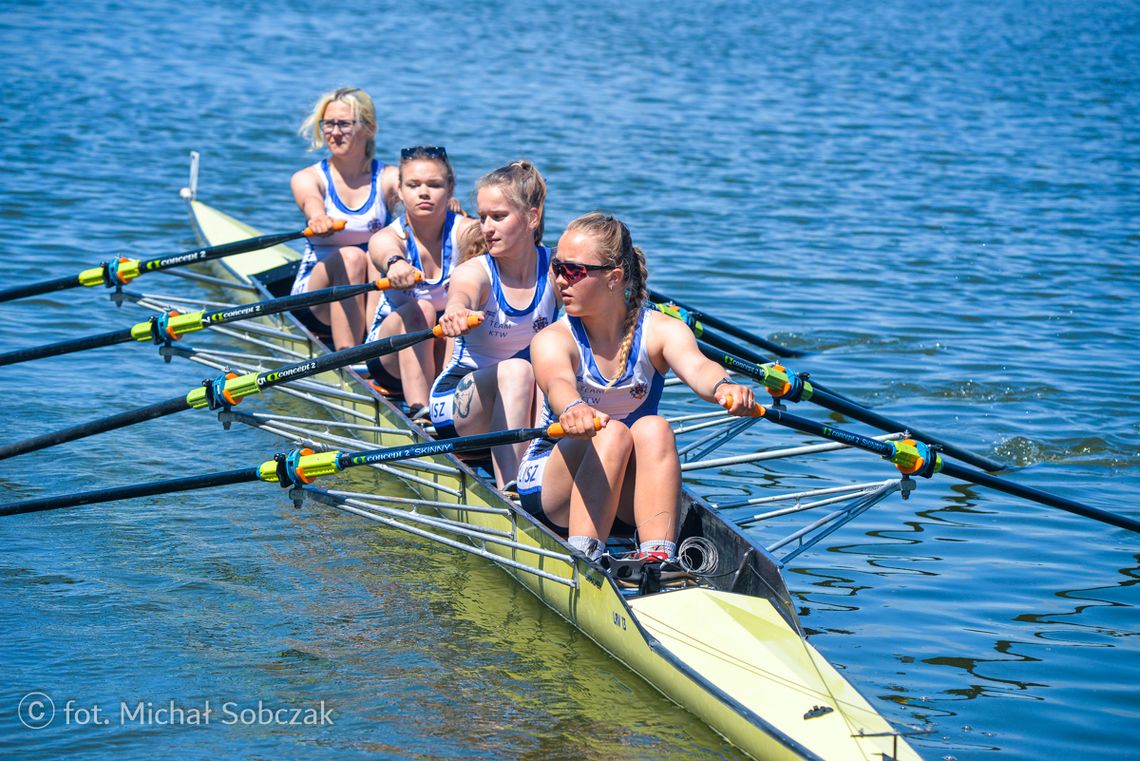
635,394
361,223
505,333
434,291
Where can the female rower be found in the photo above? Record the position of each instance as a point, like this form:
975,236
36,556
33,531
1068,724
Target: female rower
607,357
351,185
489,384
424,242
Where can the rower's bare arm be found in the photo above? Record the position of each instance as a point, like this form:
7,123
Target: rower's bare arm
553,353
385,246
468,290
310,198
679,348
390,186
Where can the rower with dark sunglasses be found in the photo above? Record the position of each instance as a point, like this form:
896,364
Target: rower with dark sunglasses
607,358
416,253
350,185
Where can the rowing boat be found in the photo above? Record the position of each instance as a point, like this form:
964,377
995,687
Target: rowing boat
720,638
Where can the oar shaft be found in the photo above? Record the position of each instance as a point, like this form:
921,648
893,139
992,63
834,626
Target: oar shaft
290,303
217,252
36,289
83,430
729,328
884,449
1036,495
471,443
112,494
66,347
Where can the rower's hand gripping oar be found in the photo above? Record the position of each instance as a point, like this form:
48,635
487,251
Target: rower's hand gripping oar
786,384
291,470
228,389
120,271
163,328
916,458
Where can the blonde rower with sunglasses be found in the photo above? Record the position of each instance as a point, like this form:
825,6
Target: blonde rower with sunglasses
350,185
607,358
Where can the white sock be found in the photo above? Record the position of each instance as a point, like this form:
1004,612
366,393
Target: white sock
589,546
660,545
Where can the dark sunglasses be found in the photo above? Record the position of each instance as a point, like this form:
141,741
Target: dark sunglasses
572,272
423,152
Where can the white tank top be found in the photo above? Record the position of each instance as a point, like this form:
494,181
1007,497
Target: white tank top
636,393
434,291
506,331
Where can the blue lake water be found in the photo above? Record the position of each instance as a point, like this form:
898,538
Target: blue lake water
939,203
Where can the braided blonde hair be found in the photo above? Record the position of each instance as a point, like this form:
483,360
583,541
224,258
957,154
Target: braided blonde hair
525,189
617,250
362,107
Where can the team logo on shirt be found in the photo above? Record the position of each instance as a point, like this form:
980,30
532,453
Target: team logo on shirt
638,390
540,323
375,225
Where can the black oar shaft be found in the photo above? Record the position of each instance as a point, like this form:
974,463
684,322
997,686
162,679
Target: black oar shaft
729,328
836,403
217,252
289,303
66,347
954,470
35,289
470,443
1036,495
112,494
90,428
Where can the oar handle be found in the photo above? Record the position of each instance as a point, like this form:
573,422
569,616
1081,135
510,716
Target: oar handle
337,226
473,321
556,431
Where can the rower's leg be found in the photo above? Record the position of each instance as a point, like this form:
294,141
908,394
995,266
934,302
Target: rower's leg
655,471
414,366
345,318
583,480
494,399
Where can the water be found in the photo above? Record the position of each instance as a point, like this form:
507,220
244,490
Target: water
938,202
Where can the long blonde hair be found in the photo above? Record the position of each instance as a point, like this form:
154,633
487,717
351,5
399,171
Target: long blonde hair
362,107
525,189
615,245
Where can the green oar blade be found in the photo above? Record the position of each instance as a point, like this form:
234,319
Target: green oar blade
113,494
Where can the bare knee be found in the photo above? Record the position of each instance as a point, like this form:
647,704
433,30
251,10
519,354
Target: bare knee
516,380
652,436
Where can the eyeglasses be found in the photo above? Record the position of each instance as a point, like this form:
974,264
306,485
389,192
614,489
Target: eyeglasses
572,272
423,152
345,126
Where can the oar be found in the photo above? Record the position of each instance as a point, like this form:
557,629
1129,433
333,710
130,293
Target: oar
291,469
227,389
170,327
918,458
784,383
708,320
123,270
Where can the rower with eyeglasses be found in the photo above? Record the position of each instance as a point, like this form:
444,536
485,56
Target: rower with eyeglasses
352,185
416,252
607,358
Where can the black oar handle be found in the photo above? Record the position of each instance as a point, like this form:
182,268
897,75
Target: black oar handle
35,289
90,428
112,494
66,347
